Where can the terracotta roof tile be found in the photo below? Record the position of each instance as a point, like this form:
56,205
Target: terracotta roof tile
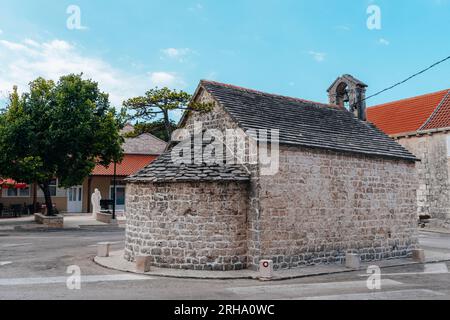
441,117
407,115
130,164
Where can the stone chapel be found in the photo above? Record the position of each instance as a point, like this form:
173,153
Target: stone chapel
341,185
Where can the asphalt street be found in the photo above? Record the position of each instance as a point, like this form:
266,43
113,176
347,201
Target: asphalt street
34,265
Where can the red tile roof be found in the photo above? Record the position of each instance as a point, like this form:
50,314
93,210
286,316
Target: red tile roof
412,114
441,117
130,164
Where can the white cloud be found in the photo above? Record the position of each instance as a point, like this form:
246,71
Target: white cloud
383,42
22,62
343,28
318,56
15,47
31,43
196,7
211,75
179,54
166,79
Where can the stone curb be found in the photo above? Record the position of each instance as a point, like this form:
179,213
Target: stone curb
100,226
252,275
435,231
164,273
92,228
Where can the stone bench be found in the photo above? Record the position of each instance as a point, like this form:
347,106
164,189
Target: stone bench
49,221
105,218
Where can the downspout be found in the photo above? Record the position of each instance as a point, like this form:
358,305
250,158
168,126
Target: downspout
114,191
34,197
88,209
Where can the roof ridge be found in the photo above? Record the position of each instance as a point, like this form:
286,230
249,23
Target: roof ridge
270,94
410,98
436,110
151,135
140,154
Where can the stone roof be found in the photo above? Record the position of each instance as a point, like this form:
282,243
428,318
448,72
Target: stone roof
144,144
127,128
348,78
304,123
300,123
165,169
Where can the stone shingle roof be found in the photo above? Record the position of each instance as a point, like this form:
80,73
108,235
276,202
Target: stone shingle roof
304,123
146,144
300,122
164,169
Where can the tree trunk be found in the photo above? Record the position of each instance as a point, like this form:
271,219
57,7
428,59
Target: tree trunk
48,198
167,125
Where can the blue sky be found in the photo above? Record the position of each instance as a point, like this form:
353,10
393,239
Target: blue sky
290,47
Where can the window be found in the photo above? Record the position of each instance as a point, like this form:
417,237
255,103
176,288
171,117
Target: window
75,194
21,193
448,146
120,195
53,185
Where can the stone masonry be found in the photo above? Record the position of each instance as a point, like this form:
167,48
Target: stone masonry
342,203
433,194
199,226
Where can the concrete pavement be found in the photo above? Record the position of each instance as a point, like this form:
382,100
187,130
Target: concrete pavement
34,265
71,221
116,262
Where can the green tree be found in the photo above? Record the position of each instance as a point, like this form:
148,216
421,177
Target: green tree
159,103
156,128
58,130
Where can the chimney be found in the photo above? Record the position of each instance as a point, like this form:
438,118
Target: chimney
349,93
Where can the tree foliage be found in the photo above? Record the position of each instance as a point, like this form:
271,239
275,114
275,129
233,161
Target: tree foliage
58,130
159,103
156,128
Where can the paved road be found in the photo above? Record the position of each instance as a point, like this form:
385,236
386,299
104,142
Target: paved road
33,265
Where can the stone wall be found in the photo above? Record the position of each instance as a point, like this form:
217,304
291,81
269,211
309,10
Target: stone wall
433,194
199,226
323,204
219,119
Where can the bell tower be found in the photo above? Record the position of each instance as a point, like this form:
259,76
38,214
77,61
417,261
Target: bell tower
349,93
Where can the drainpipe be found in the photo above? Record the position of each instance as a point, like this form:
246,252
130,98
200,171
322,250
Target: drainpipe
89,186
34,197
114,192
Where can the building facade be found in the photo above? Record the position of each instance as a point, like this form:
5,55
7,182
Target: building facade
341,186
422,125
139,152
